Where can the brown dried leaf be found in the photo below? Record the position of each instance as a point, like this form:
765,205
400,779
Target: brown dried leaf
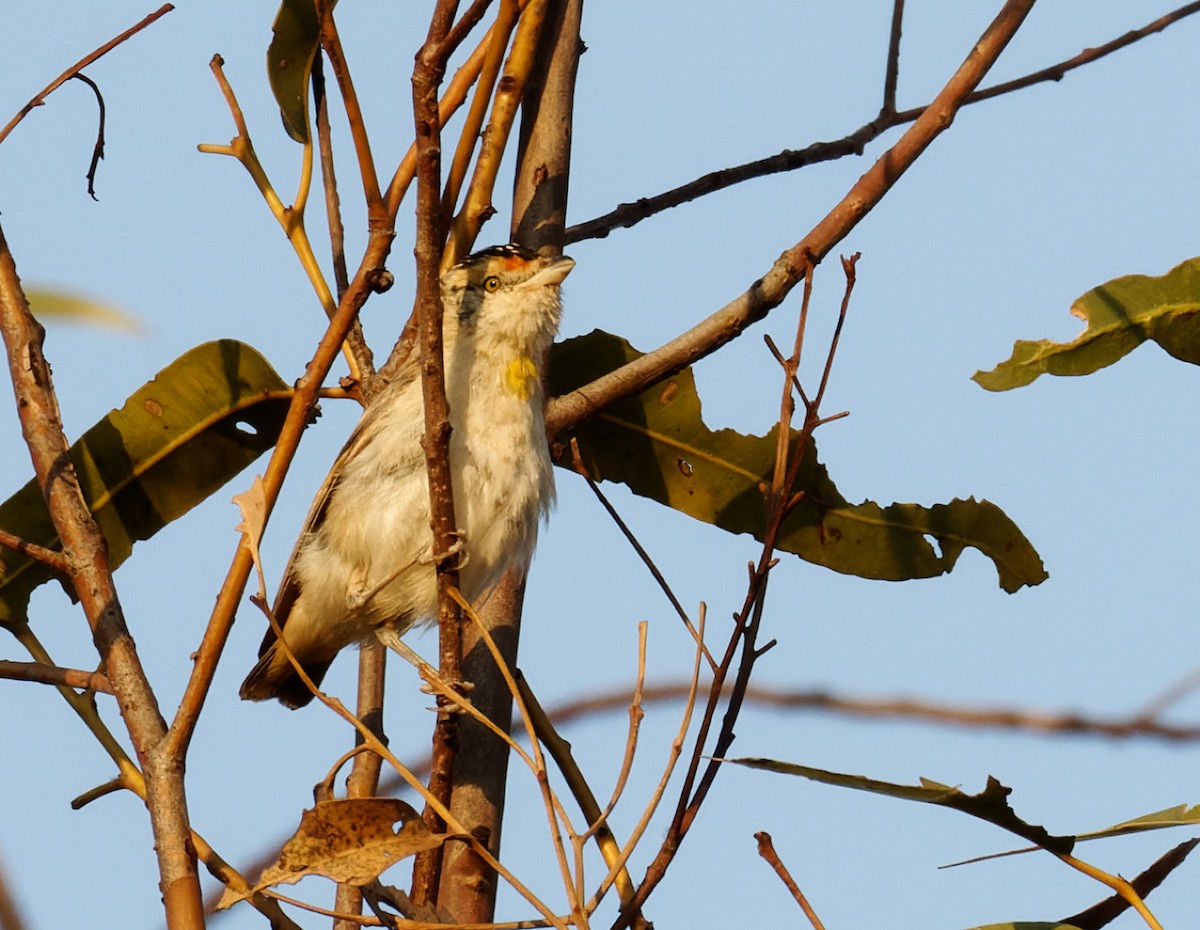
349,840
253,504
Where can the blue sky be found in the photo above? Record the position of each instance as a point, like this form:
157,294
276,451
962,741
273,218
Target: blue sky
1024,204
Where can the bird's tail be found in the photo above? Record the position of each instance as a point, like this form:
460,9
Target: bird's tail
275,677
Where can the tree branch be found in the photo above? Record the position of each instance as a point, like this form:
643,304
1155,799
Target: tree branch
53,675
51,558
428,70
794,264
630,214
91,576
770,290
40,97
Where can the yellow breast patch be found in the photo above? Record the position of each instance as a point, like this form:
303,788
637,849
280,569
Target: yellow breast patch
521,377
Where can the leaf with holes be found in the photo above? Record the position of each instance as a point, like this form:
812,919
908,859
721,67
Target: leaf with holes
1120,316
657,444
350,840
179,438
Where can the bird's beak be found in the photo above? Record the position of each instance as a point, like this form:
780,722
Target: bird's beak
553,271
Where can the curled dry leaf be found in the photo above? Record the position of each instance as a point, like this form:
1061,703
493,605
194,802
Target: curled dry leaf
351,840
253,505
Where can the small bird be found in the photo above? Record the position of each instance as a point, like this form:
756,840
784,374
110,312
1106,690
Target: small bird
364,560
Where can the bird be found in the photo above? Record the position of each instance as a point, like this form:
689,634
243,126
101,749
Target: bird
364,561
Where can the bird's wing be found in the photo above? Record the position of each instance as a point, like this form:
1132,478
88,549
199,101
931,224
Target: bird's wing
289,588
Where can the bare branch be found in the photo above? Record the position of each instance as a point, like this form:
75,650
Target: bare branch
40,97
53,675
331,43
91,576
426,77
630,214
892,72
1039,722
49,557
770,290
355,342
766,849
303,398
1104,913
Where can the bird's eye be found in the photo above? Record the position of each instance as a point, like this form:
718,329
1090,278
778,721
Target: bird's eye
491,284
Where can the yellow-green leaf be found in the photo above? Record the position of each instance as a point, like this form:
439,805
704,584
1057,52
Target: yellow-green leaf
177,439
991,804
295,36
1179,816
77,308
1120,316
658,445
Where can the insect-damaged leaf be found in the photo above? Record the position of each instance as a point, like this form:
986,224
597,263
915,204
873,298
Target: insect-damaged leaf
349,840
1179,816
991,804
657,443
1120,316
177,439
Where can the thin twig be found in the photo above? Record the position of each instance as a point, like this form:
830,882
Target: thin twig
768,291
597,819
98,148
1046,723
793,265
631,911
1108,910
130,778
848,266
356,343
892,71
477,203
452,99
468,21
1124,888
53,675
468,137
555,812
633,541
630,214
331,43
1172,694
51,558
766,849
284,451
40,97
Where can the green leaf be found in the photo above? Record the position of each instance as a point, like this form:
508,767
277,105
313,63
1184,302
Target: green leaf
76,308
657,444
1120,316
991,804
1179,816
295,36
179,438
